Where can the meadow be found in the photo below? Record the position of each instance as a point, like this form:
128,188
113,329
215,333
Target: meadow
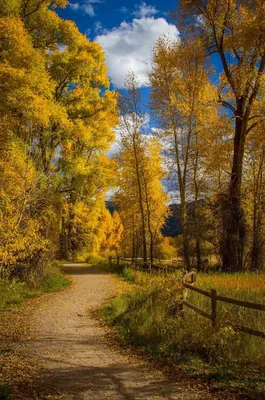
149,318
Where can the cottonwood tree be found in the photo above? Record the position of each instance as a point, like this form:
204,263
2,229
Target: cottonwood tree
109,234
140,196
154,198
59,115
132,120
235,30
180,91
253,188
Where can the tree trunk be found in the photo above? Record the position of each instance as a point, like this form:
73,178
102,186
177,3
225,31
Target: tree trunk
198,254
196,212
133,248
64,239
233,216
257,242
185,240
140,201
183,211
147,199
256,251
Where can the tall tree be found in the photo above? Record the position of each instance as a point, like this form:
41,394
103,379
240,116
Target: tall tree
236,31
154,198
254,199
132,121
179,81
59,115
140,173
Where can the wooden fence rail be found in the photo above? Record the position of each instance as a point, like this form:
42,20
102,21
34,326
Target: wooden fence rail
166,267
212,294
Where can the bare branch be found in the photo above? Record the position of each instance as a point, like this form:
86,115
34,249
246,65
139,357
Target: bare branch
255,124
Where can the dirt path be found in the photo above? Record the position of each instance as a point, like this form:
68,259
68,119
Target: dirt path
75,356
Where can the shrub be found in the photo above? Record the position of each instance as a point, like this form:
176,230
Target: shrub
13,290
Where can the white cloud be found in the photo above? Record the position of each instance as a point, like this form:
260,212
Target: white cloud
74,6
158,132
61,47
144,10
129,46
115,147
84,5
98,27
88,32
121,130
129,122
124,9
89,9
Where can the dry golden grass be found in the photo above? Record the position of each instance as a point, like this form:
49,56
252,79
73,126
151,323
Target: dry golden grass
249,287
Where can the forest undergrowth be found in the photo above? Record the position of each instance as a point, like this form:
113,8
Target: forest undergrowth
148,318
14,291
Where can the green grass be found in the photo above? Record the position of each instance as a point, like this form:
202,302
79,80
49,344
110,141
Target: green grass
247,287
148,318
14,292
4,393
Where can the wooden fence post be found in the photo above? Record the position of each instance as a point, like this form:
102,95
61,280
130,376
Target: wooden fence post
214,307
150,268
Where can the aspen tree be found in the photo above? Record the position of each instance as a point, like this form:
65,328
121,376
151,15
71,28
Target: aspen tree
179,81
140,197
235,30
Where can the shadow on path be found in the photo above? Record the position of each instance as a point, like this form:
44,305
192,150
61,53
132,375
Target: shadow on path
76,360
104,383
82,269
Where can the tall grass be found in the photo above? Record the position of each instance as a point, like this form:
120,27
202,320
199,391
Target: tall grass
149,316
244,286
248,287
13,291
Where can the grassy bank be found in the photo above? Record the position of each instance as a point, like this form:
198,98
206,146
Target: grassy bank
14,291
148,317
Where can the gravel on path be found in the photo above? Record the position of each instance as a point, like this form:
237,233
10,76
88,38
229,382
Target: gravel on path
75,356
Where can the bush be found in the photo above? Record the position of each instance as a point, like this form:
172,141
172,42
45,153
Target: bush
53,279
13,290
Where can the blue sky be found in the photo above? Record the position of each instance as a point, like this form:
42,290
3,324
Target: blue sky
110,13
127,31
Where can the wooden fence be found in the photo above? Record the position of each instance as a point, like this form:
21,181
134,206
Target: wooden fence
212,294
158,266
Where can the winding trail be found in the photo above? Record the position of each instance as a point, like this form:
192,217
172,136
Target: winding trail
74,353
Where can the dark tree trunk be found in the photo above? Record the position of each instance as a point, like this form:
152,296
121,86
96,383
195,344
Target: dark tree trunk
64,239
198,254
185,238
256,253
233,215
257,241
151,236
133,249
